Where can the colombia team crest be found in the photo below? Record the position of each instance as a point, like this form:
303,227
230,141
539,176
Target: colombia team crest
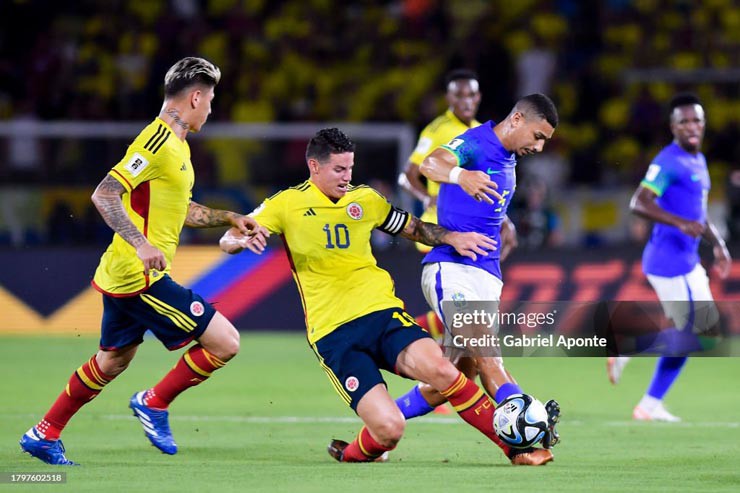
351,384
354,210
196,308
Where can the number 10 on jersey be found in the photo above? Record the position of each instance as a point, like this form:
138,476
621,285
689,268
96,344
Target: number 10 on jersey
337,237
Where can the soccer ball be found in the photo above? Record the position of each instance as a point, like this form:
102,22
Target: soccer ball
520,420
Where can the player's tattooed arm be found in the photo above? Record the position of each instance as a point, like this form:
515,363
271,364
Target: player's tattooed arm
200,216
428,233
107,199
466,244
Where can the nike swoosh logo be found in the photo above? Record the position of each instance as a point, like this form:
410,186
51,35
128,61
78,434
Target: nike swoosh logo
492,172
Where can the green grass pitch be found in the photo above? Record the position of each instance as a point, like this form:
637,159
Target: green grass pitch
263,422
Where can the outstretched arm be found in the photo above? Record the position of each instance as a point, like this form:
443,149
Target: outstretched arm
643,204
234,241
441,166
466,244
107,199
200,216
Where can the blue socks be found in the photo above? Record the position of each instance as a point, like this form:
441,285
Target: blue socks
666,372
506,390
413,404
669,342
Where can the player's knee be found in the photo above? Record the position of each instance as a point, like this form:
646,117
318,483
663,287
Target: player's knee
113,367
391,430
229,348
221,339
468,367
441,370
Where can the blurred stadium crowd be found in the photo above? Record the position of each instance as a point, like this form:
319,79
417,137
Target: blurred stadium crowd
611,66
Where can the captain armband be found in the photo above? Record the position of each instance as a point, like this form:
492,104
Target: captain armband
395,222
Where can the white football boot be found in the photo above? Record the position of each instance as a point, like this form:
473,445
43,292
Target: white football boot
615,367
652,409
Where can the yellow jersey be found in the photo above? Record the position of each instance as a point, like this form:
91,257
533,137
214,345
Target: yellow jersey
440,131
328,245
158,177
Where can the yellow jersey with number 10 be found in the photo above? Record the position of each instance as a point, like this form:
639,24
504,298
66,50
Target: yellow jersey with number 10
328,245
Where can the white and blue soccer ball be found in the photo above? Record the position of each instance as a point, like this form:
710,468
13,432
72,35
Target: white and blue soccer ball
520,420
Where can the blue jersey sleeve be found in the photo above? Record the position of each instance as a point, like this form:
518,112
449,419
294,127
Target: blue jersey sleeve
463,147
658,178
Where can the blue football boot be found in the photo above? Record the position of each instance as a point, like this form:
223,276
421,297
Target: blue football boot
155,423
49,451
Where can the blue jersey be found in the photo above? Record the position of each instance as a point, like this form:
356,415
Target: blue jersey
478,149
681,182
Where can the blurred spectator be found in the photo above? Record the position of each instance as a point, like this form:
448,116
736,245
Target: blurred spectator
733,198
24,158
536,221
610,66
535,68
381,241
62,228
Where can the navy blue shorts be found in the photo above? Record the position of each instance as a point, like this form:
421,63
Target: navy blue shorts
174,314
353,354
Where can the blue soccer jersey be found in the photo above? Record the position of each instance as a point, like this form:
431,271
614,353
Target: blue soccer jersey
681,182
478,149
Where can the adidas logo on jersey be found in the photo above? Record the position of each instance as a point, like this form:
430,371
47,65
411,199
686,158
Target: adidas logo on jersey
183,167
309,212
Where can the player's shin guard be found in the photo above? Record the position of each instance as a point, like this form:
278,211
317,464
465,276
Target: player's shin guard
364,448
475,407
195,367
83,386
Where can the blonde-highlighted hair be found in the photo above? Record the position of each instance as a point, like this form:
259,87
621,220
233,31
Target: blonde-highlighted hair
188,72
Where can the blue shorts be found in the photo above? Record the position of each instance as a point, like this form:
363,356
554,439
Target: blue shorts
353,354
174,314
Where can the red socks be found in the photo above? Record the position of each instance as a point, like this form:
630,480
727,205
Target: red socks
195,366
475,407
83,386
364,448
470,402
431,323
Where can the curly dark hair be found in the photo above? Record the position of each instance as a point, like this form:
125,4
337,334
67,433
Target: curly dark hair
328,141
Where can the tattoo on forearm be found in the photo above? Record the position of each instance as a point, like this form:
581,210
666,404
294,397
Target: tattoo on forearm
427,233
200,216
176,117
107,199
